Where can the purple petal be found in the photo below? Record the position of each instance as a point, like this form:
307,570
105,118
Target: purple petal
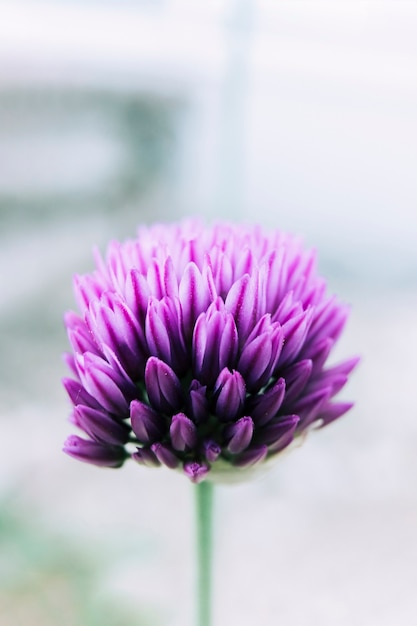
163,386
106,385
183,432
251,456
87,289
308,407
262,326
70,361
296,378
196,472
79,335
228,346
337,382
147,424
100,426
162,280
212,450
295,333
215,344
157,332
165,455
282,443
94,452
137,293
194,296
80,343
222,271
274,432
317,352
241,302
164,333
276,277
118,332
240,435
264,407
145,456
333,377
332,412
288,309
245,262
229,393
198,408
313,293
78,394
260,356
255,359
343,369
328,320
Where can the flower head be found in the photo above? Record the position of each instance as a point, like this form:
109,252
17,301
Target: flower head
202,348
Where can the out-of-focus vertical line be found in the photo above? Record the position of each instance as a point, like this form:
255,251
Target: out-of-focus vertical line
239,29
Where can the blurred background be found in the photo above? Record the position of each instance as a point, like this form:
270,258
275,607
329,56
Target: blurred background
300,116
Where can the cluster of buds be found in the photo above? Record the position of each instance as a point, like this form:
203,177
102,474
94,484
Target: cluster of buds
201,347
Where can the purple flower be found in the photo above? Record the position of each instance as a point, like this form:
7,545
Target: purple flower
202,348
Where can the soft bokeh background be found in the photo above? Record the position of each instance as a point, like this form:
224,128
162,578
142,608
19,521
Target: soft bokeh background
298,115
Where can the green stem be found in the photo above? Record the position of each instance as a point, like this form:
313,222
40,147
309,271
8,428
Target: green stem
204,510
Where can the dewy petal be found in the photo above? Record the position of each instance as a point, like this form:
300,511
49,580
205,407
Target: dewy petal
147,424
263,407
163,386
183,432
229,394
101,426
196,472
240,435
94,452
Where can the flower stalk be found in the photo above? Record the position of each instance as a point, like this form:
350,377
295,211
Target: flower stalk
204,541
